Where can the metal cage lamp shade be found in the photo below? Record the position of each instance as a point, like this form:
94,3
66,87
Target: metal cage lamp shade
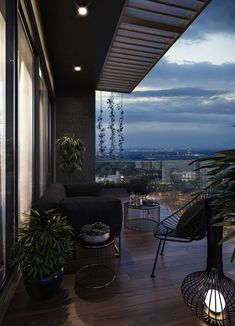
210,294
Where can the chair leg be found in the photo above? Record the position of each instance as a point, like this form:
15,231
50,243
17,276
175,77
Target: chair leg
155,261
118,248
163,246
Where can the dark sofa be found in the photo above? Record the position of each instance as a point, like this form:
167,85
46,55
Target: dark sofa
82,204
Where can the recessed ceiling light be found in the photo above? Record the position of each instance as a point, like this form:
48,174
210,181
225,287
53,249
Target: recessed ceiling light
82,11
77,68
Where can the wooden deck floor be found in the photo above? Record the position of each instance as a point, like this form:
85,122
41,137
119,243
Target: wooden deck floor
133,299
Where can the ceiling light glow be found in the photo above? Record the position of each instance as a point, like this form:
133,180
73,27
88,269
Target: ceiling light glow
77,68
82,11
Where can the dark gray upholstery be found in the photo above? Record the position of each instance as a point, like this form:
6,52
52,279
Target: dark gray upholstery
51,198
85,209
193,221
75,190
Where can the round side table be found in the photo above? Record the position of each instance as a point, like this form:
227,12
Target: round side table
141,218
95,264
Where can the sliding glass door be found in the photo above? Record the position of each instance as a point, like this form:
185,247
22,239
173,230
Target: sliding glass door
2,139
25,123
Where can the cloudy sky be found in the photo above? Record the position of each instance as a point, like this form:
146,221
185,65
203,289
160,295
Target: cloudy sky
188,99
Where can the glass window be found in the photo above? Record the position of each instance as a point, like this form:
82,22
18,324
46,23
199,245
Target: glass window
2,137
43,134
25,123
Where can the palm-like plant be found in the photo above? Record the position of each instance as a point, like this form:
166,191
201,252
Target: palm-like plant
222,172
44,244
69,150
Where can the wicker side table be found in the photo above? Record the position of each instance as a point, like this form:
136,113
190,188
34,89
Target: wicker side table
141,218
95,264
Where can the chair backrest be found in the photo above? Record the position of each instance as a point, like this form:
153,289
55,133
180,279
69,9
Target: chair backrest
193,222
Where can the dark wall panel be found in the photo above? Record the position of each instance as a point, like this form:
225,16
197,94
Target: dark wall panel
75,114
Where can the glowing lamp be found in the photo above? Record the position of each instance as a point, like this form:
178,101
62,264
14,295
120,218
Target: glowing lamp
209,293
215,301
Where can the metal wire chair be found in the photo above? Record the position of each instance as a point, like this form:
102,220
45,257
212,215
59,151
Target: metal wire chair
180,229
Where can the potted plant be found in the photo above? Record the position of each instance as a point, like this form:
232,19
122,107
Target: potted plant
69,150
44,245
222,171
95,233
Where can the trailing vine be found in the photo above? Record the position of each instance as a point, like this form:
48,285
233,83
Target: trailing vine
111,126
101,128
120,130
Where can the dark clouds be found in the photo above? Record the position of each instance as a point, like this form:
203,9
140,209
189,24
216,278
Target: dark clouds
194,105
200,75
186,91
181,109
218,17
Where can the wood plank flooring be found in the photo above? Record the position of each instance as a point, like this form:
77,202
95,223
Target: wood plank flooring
133,299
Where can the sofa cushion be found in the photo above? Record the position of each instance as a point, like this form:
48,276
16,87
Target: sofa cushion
192,223
87,210
51,198
75,190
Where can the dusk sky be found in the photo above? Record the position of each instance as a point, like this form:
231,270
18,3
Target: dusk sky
188,98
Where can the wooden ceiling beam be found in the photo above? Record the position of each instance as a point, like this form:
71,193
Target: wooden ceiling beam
130,57
125,67
127,63
120,77
143,7
121,73
150,24
126,45
139,42
174,5
147,30
143,36
141,54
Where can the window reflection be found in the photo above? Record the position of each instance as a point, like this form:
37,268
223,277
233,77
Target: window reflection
43,133
25,127
2,139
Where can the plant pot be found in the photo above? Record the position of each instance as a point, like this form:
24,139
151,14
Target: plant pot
95,239
40,289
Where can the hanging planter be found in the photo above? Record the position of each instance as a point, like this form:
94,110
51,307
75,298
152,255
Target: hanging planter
111,126
101,129
120,130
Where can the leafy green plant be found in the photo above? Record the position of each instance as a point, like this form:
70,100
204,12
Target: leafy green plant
69,150
222,171
44,244
97,228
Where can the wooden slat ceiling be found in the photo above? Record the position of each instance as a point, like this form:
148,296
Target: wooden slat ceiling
145,31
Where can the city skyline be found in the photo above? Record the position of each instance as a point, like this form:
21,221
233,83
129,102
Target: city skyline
188,98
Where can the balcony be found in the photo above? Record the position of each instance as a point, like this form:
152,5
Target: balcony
52,60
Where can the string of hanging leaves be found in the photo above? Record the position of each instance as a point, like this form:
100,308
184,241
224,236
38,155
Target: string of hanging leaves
111,126
120,130
116,129
101,128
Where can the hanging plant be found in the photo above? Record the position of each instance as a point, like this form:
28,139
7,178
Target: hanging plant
120,130
111,126
101,128
69,154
